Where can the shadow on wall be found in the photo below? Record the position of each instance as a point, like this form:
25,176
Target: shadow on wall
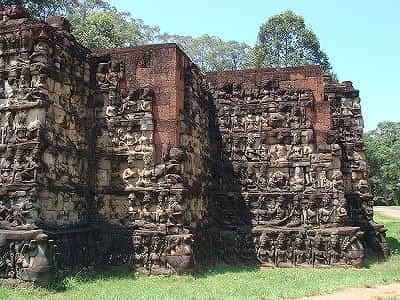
228,238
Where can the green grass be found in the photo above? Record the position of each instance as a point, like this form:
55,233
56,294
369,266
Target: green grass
225,283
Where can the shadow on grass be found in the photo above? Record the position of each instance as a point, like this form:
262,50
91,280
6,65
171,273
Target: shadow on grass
394,246
61,284
220,270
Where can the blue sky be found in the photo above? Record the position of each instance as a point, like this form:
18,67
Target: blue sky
361,38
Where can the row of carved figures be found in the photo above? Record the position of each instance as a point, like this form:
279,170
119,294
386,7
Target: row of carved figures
298,249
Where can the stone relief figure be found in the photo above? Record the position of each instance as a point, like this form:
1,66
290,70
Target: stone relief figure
113,109
295,152
7,129
299,252
278,181
295,213
278,154
17,215
340,212
11,87
337,181
266,251
101,75
21,129
310,213
129,173
363,188
283,253
25,171
133,208
144,144
33,129
116,73
334,249
224,117
146,174
319,251
279,211
325,212
236,119
309,177
323,181
174,210
297,180
250,152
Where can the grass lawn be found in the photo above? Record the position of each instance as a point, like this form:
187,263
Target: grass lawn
225,283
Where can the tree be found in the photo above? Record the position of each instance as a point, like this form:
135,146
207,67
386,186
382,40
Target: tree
383,158
111,29
42,9
211,53
285,41
95,23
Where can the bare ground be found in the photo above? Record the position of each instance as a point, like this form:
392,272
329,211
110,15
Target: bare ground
382,292
395,213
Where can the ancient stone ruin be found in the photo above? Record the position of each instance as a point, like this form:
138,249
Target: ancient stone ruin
134,158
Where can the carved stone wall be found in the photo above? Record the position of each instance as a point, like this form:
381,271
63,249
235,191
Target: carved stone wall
44,146
291,176
133,158
152,141
348,131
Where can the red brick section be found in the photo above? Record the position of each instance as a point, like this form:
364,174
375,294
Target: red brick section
163,68
306,77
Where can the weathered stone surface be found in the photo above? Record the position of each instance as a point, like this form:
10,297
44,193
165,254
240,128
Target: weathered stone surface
133,158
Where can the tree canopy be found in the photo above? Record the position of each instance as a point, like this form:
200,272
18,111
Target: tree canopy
41,9
285,41
211,53
383,158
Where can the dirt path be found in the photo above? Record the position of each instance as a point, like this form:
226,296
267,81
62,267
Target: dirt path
382,292
387,211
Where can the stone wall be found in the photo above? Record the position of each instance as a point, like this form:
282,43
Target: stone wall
288,180
44,152
153,130
133,158
347,125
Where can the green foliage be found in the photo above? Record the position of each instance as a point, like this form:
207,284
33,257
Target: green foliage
95,23
98,25
227,282
42,9
211,53
108,29
383,159
285,41
282,41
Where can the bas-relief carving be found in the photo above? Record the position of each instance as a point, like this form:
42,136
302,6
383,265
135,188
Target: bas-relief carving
287,182
247,183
